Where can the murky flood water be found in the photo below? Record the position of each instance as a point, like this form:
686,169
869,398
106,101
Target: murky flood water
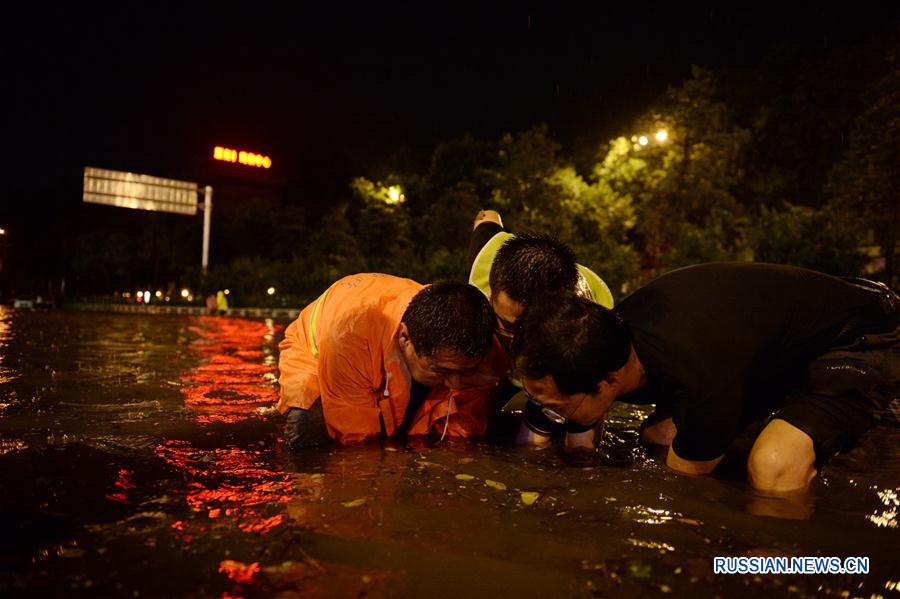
139,456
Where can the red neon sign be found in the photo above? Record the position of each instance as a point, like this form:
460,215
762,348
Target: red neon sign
242,157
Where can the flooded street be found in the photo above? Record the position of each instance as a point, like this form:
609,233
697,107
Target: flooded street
140,456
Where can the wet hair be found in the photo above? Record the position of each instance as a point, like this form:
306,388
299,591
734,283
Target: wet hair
532,264
571,338
450,316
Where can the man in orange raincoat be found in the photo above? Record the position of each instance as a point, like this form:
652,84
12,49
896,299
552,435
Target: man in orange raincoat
381,356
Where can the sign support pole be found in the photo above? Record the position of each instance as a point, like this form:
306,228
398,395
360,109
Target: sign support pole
207,218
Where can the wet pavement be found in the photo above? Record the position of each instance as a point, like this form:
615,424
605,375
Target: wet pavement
140,456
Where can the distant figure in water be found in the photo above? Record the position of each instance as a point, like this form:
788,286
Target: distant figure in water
221,302
812,358
378,356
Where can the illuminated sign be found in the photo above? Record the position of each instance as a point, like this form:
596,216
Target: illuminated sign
142,192
241,157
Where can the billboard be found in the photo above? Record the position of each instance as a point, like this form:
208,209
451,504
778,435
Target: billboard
142,192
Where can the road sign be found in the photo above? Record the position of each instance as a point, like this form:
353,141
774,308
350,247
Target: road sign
142,192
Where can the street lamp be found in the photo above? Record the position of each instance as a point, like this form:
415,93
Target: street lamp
643,140
662,135
270,291
395,195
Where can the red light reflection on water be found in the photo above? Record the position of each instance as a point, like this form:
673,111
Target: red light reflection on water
238,373
229,487
124,483
234,490
239,572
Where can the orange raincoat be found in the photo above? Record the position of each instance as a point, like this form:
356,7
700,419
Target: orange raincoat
343,349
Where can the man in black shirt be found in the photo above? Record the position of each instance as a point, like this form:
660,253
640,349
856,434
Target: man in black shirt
720,346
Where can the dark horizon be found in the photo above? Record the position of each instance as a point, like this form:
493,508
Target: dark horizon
332,93
324,94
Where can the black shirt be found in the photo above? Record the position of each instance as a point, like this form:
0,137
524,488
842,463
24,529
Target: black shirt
721,343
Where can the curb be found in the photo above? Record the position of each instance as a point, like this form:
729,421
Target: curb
278,313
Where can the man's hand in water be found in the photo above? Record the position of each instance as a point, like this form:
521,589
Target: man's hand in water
586,441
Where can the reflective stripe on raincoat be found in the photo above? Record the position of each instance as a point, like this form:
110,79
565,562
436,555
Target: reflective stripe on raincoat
590,285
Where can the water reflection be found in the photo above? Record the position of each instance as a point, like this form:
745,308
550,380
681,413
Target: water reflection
6,374
237,377
139,458
886,518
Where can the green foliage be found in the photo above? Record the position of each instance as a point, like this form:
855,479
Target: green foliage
864,185
813,238
682,186
700,193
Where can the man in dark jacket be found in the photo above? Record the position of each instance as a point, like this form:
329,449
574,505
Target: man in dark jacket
718,347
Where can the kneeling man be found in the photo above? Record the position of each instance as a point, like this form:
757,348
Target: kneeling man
378,355
720,346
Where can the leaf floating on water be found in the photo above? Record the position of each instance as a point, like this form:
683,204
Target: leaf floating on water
529,497
355,502
639,570
430,464
466,460
464,477
495,485
690,521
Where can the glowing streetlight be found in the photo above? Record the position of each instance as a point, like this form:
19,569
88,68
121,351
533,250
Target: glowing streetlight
147,297
227,292
185,293
395,195
643,140
2,231
270,291
158,294
662,135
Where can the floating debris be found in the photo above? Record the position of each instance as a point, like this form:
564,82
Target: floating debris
495,485
529,497
653,545
355,502
465,477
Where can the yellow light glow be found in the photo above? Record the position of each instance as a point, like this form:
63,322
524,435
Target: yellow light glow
185,293
270,291
395,195
643,140
2,231
159,294
662,135
227,292
242,157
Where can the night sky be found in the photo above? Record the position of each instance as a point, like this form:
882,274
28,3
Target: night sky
333,90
